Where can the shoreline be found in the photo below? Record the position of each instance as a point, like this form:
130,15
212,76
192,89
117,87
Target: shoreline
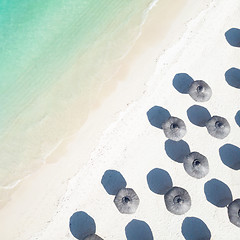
78,82
106,112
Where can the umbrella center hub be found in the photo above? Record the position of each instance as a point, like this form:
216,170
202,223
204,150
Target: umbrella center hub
178,200
174,126
196,162
219,124
126,199
199,89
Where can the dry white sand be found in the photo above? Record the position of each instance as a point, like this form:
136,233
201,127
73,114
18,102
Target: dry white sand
132,146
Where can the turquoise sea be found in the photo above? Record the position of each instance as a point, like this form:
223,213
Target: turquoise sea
55,56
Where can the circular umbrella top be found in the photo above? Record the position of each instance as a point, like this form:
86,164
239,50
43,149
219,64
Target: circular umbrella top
218,127
126,201
177,201
93,237
174,128
234,212
196,165
200,91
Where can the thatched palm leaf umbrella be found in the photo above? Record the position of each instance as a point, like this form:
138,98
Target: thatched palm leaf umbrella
174,128
234,212
177,201
196,165
126,201
93,237
218,127
200,91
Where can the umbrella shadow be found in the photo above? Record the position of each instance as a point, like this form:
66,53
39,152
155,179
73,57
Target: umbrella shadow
237,118
232,77
157,116
177,150
233,37
113,181
230,156
159,181
82,225
194,229
138,230
198,115
217,193
182,82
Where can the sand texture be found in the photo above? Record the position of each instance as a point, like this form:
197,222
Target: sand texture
133,151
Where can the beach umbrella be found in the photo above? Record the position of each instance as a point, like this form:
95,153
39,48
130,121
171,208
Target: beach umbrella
174,128
196,165
177,201
234,212
93,237
218,127
200,91
126,201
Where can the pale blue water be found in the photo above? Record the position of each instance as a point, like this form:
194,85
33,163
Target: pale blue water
39,42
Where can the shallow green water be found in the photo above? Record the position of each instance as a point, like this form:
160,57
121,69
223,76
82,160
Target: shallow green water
41,40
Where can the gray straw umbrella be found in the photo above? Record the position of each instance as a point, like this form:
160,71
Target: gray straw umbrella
177,200
200,91
174,128
218,127
234,212
196,165
93,237
126,201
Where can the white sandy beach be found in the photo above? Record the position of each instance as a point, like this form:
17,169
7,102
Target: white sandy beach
119,136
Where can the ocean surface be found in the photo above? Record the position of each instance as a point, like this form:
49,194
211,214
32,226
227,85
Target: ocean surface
55,58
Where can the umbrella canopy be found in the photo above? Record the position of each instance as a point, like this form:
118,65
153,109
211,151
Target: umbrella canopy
218,127
174,128
177,201
126,201
234,212
93,237
200,91
196,165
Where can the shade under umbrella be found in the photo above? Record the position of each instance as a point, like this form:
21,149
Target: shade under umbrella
200,91
218,127
174,128
196,165
177,200
126,201
93,237
234,212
